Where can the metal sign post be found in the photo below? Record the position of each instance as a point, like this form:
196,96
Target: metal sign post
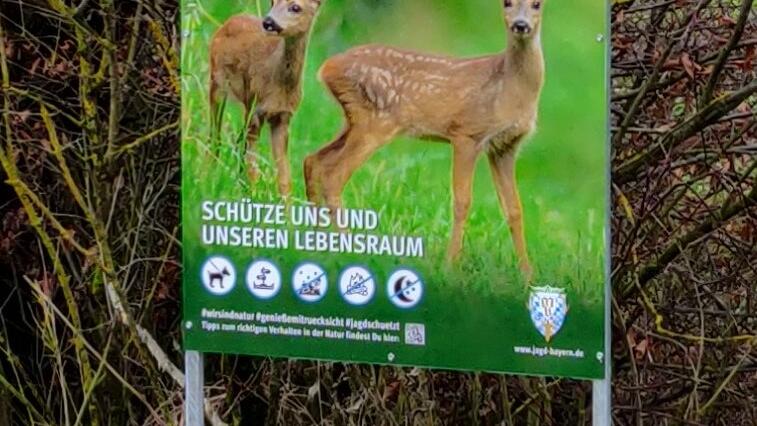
601,396
601,402
194,398
602,389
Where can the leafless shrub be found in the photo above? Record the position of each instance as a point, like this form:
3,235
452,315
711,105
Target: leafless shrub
684,213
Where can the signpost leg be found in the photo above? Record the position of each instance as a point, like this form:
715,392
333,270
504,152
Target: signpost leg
601,403
194,397
602,389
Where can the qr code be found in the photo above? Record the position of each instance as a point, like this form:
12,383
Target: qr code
415,334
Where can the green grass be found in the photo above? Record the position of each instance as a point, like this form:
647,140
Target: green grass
561,170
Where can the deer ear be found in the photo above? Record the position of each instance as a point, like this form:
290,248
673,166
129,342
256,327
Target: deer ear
316,2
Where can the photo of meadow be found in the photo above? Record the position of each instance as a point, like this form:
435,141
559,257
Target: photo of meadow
561,170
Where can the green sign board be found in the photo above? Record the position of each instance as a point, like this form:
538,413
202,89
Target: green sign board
410,183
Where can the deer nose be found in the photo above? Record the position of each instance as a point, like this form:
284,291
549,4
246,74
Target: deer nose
521,27
271,26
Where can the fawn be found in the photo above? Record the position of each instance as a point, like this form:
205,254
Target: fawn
487,104
259,63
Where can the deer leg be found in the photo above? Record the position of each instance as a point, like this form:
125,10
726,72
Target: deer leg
280,142
254,122
464,164
503,172
360,142
312,186
216,114
313,169
213,104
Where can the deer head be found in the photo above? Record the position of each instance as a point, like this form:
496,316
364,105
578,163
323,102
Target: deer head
291,18
523,18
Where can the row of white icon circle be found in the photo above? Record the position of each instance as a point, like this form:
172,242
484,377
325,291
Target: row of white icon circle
310,283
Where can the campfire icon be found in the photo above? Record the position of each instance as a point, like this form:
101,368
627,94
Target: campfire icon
357,285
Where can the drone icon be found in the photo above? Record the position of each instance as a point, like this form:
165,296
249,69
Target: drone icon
312,287
309,282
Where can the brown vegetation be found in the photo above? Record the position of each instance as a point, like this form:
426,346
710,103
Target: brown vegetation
684,253
89,264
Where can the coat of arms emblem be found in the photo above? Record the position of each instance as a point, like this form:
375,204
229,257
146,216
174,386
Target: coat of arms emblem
548,307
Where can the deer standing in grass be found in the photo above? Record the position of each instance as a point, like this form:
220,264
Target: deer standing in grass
486,104
259,63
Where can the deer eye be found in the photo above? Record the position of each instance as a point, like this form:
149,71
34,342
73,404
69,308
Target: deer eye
295,8
536,5
508,3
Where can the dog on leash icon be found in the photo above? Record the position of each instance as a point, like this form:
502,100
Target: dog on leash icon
218,276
